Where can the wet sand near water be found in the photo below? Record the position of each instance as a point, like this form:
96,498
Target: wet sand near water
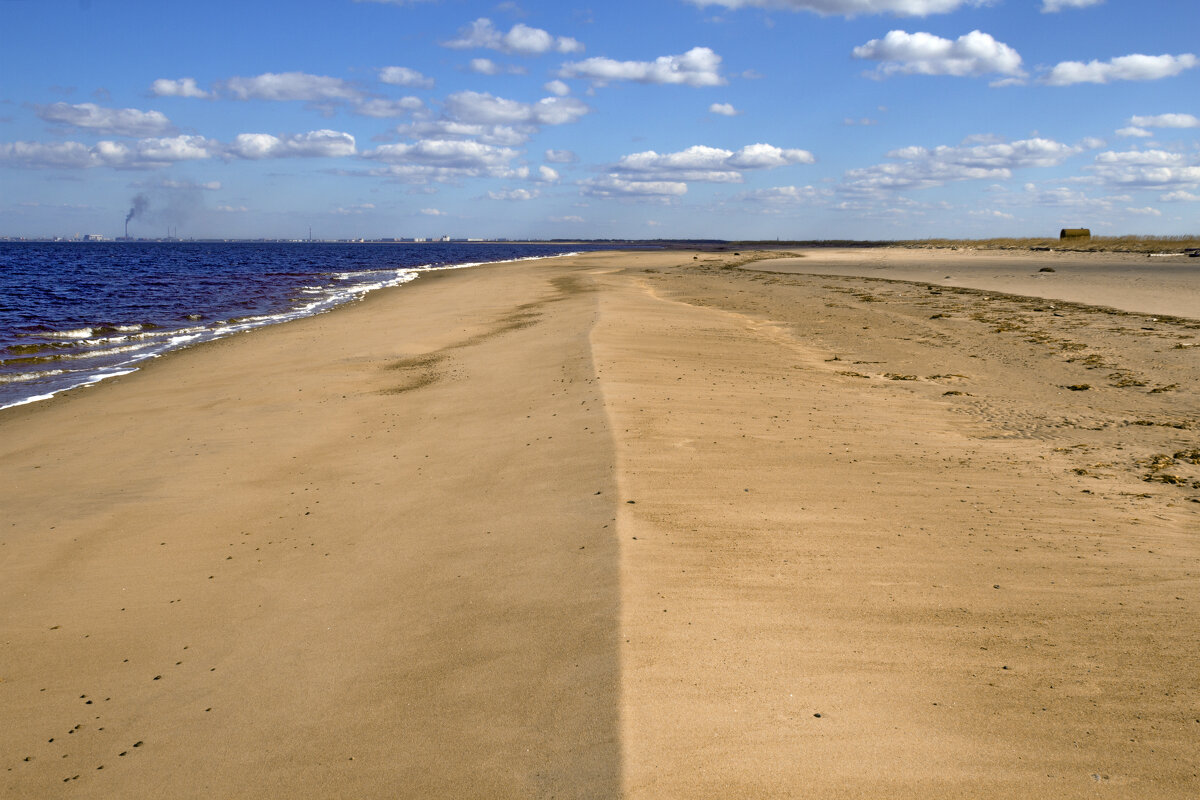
619,525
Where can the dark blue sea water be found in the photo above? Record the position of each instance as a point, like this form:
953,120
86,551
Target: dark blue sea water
72,314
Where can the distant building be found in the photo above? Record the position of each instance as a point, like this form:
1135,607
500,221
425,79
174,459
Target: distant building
92,237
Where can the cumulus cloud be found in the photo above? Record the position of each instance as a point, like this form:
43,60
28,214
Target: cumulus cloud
561,156
612,186
292,86
183,87
314,144
1166,121
1149,169
851,8
433,212
495,120
723,109
403,76
520,39
972,54
710,164
482,107
1134,67
1063,197
920,167
500,135
514,194
781,195
1144,211
382,108
485,66
699,66
1051,6
1180,197
149,153
1133,131
446,160
117,121
557,88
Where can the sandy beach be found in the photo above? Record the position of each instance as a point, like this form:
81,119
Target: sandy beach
645,525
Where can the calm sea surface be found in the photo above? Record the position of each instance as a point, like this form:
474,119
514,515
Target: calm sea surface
72,314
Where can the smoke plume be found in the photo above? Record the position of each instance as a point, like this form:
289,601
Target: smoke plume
140,204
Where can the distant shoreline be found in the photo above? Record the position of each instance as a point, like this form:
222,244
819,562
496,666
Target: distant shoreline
1105,244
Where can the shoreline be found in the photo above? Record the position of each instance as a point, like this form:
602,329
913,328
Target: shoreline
190,337
619,524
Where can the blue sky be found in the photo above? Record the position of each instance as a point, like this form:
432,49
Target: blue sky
794,119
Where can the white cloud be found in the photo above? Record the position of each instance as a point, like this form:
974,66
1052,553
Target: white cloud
228,209
547,174
699,66
781,195
557,88
314,144
445,160
1151,169
485,108
561,156
1166,121
142,154
1180,197
184,87
292,86
403,76
1063,197
1051,6
850,8
710,164
972,54
921,168
355,209
614,186
568,218
520,39
723,109
210,186
433,212
1134,67
117,121
484,66
1144,211
1133,131
514,194
500,135
382,109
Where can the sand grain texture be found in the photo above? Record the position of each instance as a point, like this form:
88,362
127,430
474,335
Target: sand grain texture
640,525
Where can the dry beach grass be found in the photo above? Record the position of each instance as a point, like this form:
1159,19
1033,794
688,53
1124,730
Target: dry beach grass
648,525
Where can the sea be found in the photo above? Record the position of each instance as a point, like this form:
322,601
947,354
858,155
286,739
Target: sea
75,313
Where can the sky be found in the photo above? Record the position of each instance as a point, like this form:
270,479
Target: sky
728,119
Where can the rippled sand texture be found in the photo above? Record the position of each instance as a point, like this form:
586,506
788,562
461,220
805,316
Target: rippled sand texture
642,525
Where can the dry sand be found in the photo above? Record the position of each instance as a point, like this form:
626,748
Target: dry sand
639,525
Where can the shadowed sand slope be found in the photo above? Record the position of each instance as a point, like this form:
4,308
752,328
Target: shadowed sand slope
362,555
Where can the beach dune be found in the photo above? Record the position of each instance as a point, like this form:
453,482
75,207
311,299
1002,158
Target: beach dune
620,524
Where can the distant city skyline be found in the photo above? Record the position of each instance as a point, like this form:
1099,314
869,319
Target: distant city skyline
729,119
